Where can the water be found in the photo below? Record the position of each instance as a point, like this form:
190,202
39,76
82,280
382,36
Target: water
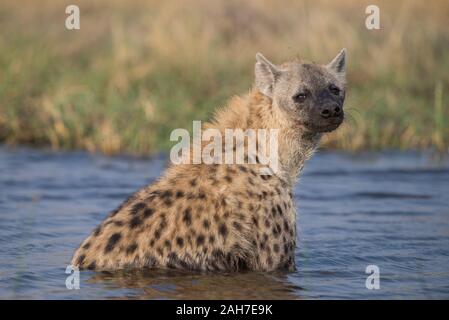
384,209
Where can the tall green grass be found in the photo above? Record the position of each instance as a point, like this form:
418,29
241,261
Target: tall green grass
138,69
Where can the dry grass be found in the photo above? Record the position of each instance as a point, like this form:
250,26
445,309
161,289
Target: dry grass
138,69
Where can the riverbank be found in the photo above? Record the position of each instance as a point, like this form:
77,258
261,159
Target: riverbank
137,70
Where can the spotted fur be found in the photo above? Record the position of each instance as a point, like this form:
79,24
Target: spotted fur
212,217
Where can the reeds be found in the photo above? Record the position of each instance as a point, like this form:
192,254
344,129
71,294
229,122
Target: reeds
138,69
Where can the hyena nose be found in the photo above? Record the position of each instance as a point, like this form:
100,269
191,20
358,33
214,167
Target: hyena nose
326,113
337,111
334,111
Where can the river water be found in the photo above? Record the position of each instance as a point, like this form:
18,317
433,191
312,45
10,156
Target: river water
388,210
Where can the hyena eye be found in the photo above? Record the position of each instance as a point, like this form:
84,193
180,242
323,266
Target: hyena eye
334,89
300,97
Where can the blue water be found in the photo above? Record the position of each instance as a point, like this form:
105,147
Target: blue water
385,209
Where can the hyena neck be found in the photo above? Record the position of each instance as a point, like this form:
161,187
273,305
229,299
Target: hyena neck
256,111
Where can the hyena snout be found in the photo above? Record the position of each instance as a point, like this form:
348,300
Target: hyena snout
333,110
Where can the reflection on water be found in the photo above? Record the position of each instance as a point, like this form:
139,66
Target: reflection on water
171,284
387,209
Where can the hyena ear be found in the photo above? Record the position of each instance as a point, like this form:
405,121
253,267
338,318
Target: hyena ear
338,65
266,74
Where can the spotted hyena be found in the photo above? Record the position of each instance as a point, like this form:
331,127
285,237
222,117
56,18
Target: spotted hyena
229,217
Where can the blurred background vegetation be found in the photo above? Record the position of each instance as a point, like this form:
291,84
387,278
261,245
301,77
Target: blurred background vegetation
138,69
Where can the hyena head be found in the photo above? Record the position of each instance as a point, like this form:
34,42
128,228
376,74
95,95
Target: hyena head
311,95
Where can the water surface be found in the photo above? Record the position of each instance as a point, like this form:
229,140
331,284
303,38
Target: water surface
385,209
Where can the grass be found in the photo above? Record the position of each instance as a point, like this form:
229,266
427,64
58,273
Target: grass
138,69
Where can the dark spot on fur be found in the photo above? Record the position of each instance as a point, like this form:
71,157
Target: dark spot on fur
131,248
228,179
92,266
135,222
206,224
180,242
179,194
193,182
255,221
87,245
276,248
201,195
286,226
200,240
279,209
242,168
97,231
187,217
81,259
275,232
148,212
137,208
163,224
166,194
113,240
211,239
278,228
